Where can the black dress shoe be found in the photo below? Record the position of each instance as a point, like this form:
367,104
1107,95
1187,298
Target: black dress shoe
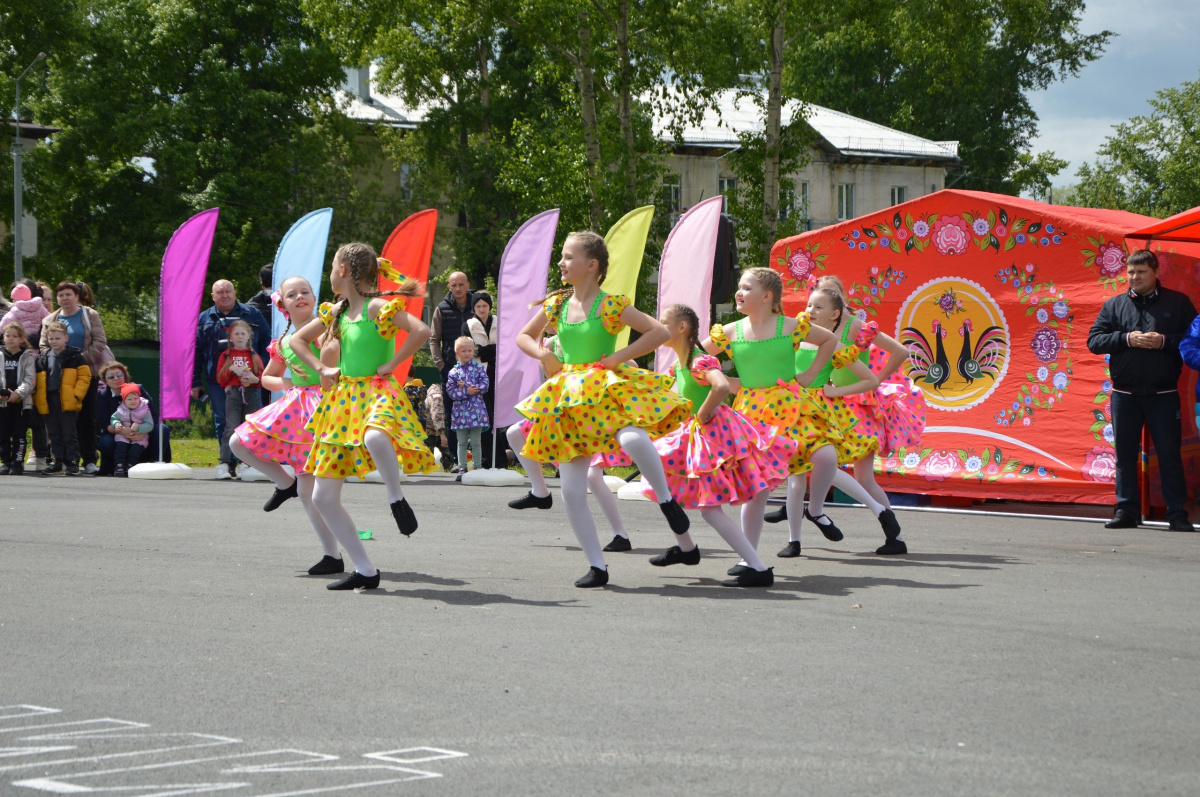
618,545
892,548
327,567
776,516
677,519
531,501
5,470
356,580
1181,524
406,519
831,532
752,578
790,552
53,470
891,526
737,570
676,556
279,496
595,578
1122,520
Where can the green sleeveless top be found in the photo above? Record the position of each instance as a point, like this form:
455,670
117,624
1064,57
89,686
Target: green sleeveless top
587,341
687,386
762,363
295,367
363,348
805,357
844,376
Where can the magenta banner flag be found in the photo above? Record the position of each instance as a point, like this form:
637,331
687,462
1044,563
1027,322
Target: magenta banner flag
685,270
524,268
184,267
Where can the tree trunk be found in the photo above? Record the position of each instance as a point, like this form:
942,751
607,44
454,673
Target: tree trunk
587,109
629,159
483,52
773,137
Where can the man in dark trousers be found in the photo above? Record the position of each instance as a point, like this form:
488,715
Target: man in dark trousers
212,337
446,326
1141,330
261,302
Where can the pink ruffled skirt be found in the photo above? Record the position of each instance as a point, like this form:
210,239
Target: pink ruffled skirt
894,413
276,433
728,460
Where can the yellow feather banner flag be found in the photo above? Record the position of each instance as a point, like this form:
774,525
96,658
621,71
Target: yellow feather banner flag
626,244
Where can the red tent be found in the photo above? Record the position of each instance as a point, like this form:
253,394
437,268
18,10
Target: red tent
1037,424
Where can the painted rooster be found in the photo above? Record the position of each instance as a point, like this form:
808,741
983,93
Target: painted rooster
926,365
982,360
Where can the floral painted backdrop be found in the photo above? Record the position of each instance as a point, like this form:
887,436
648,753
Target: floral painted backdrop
993,296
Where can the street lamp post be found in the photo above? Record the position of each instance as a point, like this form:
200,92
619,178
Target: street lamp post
18,193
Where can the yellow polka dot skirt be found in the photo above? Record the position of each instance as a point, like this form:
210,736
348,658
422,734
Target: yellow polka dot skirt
811,419
578,411
347,411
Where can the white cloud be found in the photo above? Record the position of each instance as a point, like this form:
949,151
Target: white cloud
1155,49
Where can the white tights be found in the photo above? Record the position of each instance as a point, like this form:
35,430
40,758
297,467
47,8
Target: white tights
733,535
275,472
607,501
327,498
387,463
537,480
825,474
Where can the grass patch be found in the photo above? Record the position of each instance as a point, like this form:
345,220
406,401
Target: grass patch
195,453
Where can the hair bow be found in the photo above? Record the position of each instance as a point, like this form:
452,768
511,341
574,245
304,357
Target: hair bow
388,270
277,300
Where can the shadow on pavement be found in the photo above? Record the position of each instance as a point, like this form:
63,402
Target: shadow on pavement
468,597
954,561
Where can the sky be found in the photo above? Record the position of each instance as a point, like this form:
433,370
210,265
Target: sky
1156,48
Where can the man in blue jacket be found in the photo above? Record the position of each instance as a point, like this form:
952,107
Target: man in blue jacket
1141,331
212,336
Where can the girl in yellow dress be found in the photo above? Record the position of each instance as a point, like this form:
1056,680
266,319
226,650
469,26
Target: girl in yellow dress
591,402
364,421
774,392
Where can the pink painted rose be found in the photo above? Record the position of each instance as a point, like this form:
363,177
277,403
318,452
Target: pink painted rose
1000,231
1100,465
1110,260
901,234
939,465
951,235
801,264
993,469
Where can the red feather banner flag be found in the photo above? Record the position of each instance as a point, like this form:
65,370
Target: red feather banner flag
410,248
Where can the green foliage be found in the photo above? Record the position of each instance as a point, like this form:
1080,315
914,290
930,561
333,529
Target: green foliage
950,70
198,426
1150,164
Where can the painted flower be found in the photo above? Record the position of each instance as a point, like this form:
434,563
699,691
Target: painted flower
1100,465
1027,420
1020,237
1043,373
1049,228
855,234
874,270
1042,315
1110,259
891,463
801,264
951,235
1000,231
1030,268
1045,241
973,464
1045,344
901,234
1108,409
1107,433
1106,385
939,465
1060,381
981,227
885,241
850,244
921,229
946,301
862,315
1057,239
1061,309
992,469
912,460
862,246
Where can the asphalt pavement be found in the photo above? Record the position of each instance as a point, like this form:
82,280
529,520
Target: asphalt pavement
163,638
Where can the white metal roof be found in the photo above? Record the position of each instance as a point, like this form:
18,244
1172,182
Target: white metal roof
733,114
847,134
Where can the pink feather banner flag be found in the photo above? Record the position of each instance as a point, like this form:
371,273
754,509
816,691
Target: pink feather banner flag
524,270
685,269
181,288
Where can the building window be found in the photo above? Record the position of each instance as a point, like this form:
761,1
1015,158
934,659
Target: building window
845,201
804,197
671,193
726,187
899,194
787,199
